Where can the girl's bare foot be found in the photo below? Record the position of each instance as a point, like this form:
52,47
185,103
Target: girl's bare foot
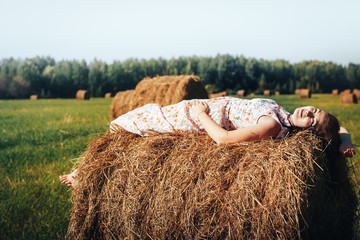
68,179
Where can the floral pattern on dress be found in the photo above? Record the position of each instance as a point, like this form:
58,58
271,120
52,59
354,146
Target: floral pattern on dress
228,112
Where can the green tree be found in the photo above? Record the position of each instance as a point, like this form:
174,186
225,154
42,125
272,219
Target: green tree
252,74
19,88
262,82
98,77
62,84
353,75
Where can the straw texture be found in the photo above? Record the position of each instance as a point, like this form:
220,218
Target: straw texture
187,187
163,90
82,95
121,103
347,98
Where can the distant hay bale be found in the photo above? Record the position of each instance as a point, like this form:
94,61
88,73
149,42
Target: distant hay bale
107,95
121,103
252,94
82,95
297,91
186,187
357,93
266,92
335,92
277,93
33,97
219,94
163,90
240,93
347,98
167,90
305,93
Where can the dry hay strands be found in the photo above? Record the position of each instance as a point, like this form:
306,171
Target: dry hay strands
357,93
107,95
335,92
121,103
167,90
33,97
305,93
82,95
187,187
241,93
219,94
348,98
266,92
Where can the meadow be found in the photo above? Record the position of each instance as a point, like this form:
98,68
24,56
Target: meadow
42,139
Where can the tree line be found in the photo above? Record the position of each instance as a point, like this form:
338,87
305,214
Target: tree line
50,79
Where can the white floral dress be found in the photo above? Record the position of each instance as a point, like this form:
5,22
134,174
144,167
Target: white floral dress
229,112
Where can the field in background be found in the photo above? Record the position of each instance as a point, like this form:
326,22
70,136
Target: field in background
41,139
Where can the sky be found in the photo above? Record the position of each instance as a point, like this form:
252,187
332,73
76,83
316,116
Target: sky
116,30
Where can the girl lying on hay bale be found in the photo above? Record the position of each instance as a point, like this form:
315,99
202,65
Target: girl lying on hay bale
229,120
171,186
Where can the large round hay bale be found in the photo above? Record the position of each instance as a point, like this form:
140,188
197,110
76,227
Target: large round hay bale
241,93
305,93
348,98
33,97
267,93
107,95
357,93
187,187
297,91
335,92
347,91
82,95
167,90
219,94
121,103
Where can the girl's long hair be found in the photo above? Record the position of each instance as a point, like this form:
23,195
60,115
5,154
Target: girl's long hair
329,131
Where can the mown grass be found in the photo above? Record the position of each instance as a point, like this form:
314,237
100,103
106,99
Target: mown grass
38,141
41,139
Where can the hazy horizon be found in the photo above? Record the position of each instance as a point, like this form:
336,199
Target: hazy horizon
118,30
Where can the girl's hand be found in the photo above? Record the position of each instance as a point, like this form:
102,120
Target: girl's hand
347,150
198,108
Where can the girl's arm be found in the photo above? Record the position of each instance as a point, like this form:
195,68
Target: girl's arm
346,147
265,129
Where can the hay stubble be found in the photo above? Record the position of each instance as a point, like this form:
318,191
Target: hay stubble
186,187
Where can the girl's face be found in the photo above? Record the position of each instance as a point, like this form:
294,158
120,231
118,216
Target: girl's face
308,116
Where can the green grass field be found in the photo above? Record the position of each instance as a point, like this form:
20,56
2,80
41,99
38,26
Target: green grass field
40,140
